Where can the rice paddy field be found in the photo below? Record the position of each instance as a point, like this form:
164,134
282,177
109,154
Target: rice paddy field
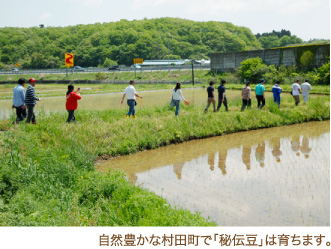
264,177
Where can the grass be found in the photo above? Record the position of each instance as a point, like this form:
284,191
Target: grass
47,175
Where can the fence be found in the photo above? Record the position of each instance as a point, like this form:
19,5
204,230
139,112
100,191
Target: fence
279,56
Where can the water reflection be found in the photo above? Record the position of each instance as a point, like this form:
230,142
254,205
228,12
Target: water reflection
246,156
276,152
285,183
211,161
305,149
295,144
260,153
178,169
221,161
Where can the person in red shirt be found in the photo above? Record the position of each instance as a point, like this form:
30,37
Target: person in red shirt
71,103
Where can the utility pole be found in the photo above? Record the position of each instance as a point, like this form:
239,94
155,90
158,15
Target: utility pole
168,52
192,73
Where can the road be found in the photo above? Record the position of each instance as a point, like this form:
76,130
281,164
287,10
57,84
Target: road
105,70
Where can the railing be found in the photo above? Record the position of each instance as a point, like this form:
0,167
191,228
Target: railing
99,69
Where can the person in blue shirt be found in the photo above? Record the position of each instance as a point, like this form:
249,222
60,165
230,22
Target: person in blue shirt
221,96
211,96
18,101
276,90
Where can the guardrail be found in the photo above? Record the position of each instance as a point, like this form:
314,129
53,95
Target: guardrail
104,70
106,82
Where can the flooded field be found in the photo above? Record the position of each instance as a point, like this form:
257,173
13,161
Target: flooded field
270,177
197,96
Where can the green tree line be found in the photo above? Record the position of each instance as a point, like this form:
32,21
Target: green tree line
277,39
120,42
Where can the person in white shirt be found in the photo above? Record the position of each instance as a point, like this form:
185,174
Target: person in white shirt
296,92
177,96
305,88
131,94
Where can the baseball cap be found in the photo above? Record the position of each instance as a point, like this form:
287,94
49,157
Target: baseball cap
262,80
32,80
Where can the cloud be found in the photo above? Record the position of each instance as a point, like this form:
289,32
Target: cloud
138,4
193,6
93,3
213,7
217,7
88,3
45,16
298,7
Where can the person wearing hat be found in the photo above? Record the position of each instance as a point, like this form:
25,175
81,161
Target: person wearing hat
18,101
30,101
259,93
276,90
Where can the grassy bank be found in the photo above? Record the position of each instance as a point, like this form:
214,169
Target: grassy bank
47,175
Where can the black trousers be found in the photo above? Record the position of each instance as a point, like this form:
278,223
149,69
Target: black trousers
31,116
20,114
225,103
260,100
71,116
246,103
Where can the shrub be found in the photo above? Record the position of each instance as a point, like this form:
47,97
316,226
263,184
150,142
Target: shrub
100,76
253,69
324,74
108,62
307,61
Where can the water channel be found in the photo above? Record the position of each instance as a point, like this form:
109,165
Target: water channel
269,177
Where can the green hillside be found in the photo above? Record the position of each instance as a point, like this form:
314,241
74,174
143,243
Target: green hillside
121,42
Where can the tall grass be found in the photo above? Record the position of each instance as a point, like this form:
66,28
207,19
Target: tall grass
47,175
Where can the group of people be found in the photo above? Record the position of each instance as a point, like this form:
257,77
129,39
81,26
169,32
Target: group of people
259,94
131,94
23,101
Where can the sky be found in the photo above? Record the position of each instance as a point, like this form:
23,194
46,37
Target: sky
306,19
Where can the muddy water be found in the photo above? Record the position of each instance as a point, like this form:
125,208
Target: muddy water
272,177
197,96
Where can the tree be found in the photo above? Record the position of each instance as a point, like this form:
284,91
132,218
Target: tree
269,42
324,74
307,61
122,41
253,69
108,62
